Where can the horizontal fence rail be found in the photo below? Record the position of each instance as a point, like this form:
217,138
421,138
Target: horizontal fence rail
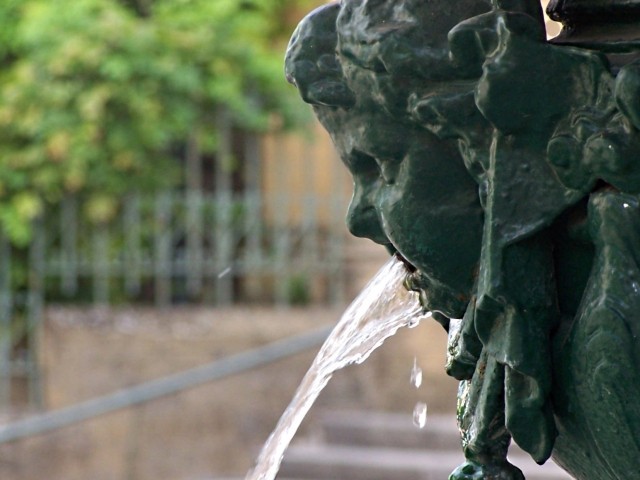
172,247
162,387
186,247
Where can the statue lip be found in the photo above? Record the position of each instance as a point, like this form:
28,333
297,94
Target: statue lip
434,296
412,278
410,267
415,282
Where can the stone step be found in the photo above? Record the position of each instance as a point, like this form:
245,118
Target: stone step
383,432
280,477
396,430
344,462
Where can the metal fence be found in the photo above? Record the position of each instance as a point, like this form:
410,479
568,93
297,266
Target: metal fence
161,387
189,247
274,245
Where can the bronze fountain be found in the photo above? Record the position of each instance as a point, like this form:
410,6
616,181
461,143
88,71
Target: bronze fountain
500,167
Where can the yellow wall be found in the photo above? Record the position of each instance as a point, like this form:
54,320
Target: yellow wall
299,167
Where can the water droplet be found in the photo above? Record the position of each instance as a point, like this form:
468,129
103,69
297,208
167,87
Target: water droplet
224,272
420,415
416,374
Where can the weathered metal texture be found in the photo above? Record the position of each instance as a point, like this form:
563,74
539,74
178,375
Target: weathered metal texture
611,26
503,168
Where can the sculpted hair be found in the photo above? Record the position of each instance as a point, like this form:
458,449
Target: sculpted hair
311,63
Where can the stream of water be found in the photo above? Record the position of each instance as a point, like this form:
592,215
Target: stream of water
377,313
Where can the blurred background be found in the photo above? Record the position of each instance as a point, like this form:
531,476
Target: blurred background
166,200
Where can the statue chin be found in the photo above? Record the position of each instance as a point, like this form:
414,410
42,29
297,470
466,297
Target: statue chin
475,471
436,297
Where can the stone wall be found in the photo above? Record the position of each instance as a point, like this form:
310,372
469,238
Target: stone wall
211,430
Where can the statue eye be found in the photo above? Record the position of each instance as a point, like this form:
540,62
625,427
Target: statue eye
371,168
388,170
363,165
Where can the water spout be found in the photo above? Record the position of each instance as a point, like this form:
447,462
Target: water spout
383,307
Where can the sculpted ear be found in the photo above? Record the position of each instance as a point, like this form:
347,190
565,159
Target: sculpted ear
475,39
533,8
471,42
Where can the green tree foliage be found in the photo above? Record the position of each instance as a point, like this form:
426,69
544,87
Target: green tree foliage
95,93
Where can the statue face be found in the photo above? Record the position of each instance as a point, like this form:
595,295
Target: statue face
413,195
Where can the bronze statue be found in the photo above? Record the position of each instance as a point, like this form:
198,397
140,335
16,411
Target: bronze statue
502,168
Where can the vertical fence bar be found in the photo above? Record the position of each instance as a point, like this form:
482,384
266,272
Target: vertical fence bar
310,221
35,310
6,312
310,245
336,238
162,247
224,234
282,228
282,236
194,220
194,251
253,229
132,268
69,246
100,261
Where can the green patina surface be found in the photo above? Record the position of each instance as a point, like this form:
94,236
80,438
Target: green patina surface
503,168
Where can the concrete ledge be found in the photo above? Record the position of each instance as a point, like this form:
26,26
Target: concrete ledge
389,430
358,463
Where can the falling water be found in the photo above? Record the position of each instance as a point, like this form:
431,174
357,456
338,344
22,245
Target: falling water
420,410
416,374
377,313
420,415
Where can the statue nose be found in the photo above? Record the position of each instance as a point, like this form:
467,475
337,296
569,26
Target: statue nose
362,221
